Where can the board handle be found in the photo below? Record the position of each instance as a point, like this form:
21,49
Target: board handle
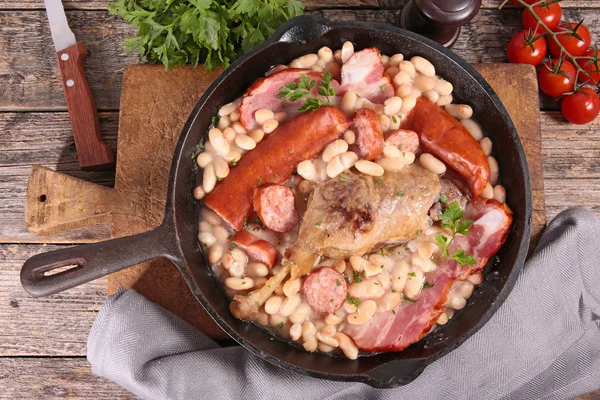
92,152
92,261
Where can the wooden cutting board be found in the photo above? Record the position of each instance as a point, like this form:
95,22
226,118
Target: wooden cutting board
154,107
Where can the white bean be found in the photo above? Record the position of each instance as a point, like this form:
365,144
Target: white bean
229,134
270,125
311,344
488,192
423,66
334,319
207,239
218,142
384,122
456,301
348,159
385,60
392,105
300,313
432,164
408,103
273,304
221,168
295,331
335,167
365,312
461,111
414,283
209,179
306,61
215,253
473,127
402,78
291,287
277,319
221,235
443,319
289,305
444,100
395,122
425,264
347,51
367,289
432,96
368,168
407,67
245,142
230,107
466,289
347,346
325,54
257,135
349,308
234,116
500,193
392,72
494,170
232,157
211,217
306,169
223,122
308,330
389,301
476,279
239,283
390,164
262,318
199,193
328,340
328,330
257,270
337,56
408,157
486,146
391,151
443,87
427,249
400,276
263,115
358,263
348,102
239,128
333,149
396,59
349,136
423,83
205,226
379,260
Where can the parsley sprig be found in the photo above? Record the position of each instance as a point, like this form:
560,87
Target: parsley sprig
452,219
293,92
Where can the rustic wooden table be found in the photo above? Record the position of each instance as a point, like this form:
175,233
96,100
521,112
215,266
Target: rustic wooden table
42,341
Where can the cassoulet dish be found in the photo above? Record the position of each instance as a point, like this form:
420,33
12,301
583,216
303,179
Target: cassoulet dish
348,204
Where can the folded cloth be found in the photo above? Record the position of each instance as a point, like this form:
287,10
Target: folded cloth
544,342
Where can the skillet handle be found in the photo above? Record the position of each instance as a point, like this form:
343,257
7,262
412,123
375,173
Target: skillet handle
301,30
93,261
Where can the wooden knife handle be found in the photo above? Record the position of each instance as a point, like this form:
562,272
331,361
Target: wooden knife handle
93,154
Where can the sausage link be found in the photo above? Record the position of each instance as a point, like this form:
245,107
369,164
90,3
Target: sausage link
257,249
369,137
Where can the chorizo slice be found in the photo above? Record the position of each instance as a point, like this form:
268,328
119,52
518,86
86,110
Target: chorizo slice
369,137
257,249
405,139
273,161
443,136
276,207
325,290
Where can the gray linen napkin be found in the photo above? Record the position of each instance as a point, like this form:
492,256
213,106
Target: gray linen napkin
544,342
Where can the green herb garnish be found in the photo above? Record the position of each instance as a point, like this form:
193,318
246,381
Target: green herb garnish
400,193
353,300
382,87
338,283
318,223
452,219
405,297
293,92
356,277
427,285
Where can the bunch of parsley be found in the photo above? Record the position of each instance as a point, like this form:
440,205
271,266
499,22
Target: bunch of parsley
209,32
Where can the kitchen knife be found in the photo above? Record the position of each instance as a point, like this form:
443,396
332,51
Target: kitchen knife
93,154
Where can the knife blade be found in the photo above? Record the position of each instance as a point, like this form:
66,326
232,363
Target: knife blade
92,152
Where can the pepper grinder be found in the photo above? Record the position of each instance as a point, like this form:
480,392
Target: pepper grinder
439,20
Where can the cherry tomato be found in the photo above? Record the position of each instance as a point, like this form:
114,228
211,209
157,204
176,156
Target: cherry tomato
549,14
581,107
592,66
523,50
555,84
572,44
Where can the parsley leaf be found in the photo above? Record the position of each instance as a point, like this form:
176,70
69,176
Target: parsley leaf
293,92
463,258
452,219
356,277
353,300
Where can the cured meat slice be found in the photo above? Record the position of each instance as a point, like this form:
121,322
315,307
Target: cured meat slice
257,249
325,290
405,139
365,75
412,320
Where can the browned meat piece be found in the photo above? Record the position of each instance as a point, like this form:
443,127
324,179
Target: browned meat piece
352,214
448,195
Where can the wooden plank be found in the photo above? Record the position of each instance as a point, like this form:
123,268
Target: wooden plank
55,378
29,74
54,326
46,139
494,4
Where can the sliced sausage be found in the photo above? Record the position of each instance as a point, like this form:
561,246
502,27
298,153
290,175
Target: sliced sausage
257,249
407,139
273,161
325,290
276,207
369,137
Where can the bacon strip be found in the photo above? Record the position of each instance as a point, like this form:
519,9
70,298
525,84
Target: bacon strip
443,136
394,332
365,75
263,94
273,161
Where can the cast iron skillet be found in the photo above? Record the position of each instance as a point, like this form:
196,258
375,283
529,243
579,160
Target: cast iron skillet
176,238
